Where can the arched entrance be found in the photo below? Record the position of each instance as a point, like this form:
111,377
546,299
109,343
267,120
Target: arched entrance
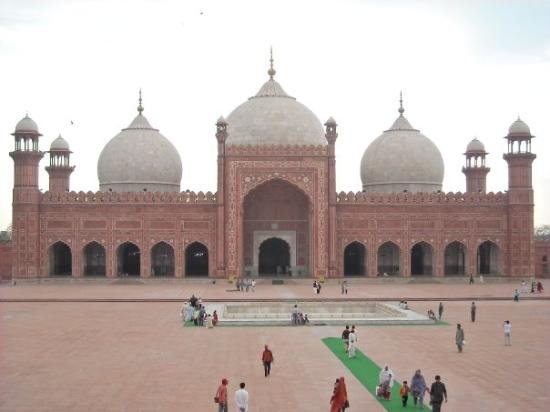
94,260
354,259
196,260
274,257
388,259
162,260
61,260
128,260
455,259
277,209
422,259
488,259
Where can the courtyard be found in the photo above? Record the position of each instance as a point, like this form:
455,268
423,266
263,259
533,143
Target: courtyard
76,346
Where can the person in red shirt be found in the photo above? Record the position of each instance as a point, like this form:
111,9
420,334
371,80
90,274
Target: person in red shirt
339,400
267,358
221,396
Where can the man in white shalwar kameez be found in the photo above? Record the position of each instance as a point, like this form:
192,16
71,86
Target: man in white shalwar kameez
241,398
352,340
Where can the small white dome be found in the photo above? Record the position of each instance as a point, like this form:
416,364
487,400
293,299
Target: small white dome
402,159
519,127
475,146
272,117
139,158
26,124
59,144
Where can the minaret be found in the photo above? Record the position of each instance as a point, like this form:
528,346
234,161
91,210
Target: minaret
475,169
26,200
331,135
221,137
60,168
521,253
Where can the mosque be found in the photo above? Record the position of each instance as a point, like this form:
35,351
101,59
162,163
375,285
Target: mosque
276,211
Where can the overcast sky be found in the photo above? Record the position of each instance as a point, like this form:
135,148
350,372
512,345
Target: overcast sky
466,68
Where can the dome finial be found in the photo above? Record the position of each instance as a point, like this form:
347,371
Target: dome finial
140,107
401,110
271,70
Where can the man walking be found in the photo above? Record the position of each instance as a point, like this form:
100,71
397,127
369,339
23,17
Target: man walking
345,337
459,337
438,392
507,333
473,312
267,358
221,396
241,398
440,310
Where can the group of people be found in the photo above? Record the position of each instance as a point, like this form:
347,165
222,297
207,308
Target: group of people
316,287
403,304
245,285
241,394
417,388
536,286
299,318
349,338
193,310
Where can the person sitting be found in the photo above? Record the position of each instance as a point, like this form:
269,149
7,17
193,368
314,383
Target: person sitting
302,320
405,305
431,314
306,319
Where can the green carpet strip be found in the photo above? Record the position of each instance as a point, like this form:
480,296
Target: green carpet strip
366,371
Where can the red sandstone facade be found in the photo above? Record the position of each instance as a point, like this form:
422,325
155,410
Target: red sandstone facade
264,193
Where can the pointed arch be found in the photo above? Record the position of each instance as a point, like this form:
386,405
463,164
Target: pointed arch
93,259
196,260
162,259
422,259
355,263
61,259
128,259
389,256
455,259
488,258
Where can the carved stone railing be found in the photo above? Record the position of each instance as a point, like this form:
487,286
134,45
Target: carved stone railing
129,197
422,198
276,150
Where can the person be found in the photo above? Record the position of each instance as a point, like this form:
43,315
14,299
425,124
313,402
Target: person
314,286
345,287
459,337
473,312
418,388
253,285
302,320
208,323
533,285
345,338
221,396
385,382
202,315
431,314
471,279
438,392
481,279
516,295
267,359
318,288
306,320
507,333
540,288
523,286
339,400
404,393
215,318
295,315
352,340
241,398
342,287
440,310
193,300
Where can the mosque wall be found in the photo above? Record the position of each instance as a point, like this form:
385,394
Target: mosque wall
542,258
111,219
437,219
5,259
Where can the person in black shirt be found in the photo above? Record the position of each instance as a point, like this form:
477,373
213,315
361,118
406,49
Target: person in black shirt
345,337
438,392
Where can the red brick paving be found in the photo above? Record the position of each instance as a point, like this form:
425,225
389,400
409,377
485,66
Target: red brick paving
137,357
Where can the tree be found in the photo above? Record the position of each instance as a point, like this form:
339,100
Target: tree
542,232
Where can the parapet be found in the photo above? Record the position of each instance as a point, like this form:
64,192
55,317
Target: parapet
129,197
422,198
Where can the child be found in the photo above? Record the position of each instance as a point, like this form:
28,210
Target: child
404,393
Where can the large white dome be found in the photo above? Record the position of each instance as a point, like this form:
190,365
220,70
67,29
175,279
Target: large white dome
272,117
139,158
402,159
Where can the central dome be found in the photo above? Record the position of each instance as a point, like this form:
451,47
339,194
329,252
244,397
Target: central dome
402,159
272,117
139,158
